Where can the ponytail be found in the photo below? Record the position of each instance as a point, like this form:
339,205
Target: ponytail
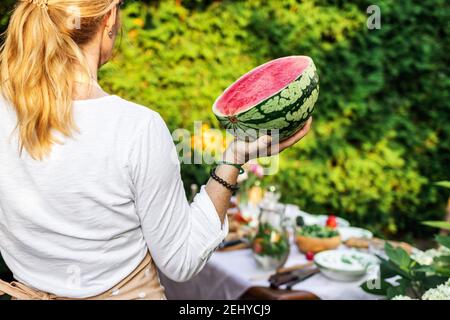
38,63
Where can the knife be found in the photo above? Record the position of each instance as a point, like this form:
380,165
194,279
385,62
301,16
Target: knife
291,278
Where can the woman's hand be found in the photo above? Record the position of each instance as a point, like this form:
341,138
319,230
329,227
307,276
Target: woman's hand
240,152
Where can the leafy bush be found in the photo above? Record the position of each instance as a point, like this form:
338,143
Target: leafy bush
381,121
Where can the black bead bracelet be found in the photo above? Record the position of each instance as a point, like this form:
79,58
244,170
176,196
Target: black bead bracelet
229,186
237,166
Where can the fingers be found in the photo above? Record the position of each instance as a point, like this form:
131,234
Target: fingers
264,146
264,141
260,147
297,137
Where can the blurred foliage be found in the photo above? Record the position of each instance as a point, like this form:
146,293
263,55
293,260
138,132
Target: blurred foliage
381,132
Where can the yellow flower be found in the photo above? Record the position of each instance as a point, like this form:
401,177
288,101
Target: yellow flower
133,34
205,127
139,22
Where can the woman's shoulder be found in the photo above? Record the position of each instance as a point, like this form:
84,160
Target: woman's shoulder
142,118
118,109
123,107
113,116
144,115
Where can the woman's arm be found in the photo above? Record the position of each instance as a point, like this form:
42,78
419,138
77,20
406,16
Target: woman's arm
180,236
240,152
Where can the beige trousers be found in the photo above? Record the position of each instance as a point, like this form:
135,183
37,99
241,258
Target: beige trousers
142,284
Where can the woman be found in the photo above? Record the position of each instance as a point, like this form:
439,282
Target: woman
91,198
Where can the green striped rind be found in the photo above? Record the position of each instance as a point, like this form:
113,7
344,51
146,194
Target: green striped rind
286,111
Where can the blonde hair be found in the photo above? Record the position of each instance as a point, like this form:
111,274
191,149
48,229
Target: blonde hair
39,60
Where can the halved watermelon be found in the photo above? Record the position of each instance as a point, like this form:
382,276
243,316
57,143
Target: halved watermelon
279,95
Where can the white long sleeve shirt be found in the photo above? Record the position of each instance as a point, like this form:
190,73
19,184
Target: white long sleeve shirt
81,220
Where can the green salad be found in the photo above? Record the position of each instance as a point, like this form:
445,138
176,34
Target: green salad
316,231
270,242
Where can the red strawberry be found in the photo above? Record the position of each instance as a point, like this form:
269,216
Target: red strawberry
309,256
331,222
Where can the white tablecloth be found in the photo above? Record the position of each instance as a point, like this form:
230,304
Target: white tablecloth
229,274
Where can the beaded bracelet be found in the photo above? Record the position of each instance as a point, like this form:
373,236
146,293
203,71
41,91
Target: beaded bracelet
237,166
231,187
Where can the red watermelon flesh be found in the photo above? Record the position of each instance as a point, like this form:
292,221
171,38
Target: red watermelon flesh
261,83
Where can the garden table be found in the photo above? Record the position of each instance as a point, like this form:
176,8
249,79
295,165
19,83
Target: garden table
235,275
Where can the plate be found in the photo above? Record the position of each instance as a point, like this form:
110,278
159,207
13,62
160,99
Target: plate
353,232
292,211
345,265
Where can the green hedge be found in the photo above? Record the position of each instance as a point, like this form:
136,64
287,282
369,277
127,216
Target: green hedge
381,127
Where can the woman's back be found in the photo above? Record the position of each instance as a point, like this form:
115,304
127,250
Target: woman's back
91,190
68,223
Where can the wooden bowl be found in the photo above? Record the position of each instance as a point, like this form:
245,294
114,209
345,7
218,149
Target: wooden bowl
314,245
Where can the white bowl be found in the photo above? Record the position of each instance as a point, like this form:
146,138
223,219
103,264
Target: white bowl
344,265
